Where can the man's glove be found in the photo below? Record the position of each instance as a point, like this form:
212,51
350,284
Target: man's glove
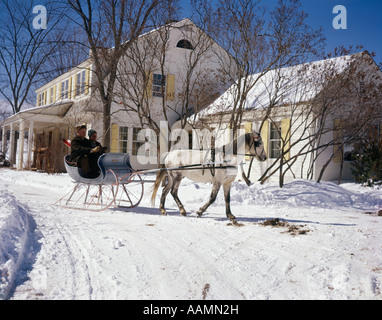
96,149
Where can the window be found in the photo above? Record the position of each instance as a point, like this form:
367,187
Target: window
65,89
52,97
159,85
136,143
81,82
41,99
349,152
274,140
123,135
185,44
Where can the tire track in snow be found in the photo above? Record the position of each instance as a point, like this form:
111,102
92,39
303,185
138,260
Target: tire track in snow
127,255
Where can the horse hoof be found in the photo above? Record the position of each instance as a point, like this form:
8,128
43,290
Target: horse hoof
183,213
163,212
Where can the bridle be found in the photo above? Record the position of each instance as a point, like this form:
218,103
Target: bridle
255,142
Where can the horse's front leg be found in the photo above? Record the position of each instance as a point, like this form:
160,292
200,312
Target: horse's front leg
214,193
174,193
227,197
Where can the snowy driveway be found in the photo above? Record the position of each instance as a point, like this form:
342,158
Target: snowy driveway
54,253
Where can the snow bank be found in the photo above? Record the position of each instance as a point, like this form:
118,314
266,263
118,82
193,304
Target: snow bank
14,228
298,193
59,182
305,193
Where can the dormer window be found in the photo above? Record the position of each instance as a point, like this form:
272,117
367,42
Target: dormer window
81,83
185,44
65,89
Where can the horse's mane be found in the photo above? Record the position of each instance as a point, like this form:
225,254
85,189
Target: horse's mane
233,145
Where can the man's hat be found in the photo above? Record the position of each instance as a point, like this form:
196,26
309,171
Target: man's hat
82,126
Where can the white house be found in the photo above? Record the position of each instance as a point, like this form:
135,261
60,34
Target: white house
304,114
72,99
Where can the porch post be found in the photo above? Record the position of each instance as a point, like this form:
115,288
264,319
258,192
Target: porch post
30,143
12,136
20,147
4,145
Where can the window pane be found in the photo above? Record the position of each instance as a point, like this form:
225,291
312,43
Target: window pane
185,44
159,85
123,146
274,134
123,133
274,140
275,149
51,95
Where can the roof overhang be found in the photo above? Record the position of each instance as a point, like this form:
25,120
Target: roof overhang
53,114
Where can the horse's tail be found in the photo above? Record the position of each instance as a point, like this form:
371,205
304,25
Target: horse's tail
160,177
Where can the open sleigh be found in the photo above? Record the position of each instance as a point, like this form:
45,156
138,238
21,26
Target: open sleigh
117,185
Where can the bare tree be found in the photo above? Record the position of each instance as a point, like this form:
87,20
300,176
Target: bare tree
197,84
111,28
319,99
24,50
259,45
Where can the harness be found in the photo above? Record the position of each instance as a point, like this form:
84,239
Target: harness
255,142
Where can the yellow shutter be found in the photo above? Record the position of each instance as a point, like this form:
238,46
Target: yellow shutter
114,147
337,150
170,87
248,129
264,135
75,85
87,80
70,88
59,91
285,137
54,94
45,97
149,88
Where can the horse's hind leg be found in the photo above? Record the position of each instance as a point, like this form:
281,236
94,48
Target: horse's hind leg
174,192
214,193
165,192
227,197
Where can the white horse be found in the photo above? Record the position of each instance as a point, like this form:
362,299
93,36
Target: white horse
216,166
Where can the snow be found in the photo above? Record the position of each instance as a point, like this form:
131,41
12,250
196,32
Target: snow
288,85
49,252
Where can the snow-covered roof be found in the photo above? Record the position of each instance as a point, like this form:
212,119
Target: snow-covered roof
57,109
282,86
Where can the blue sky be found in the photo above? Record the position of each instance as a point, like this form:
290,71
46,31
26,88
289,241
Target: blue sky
364,22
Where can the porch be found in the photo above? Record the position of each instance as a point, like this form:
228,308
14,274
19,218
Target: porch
32,138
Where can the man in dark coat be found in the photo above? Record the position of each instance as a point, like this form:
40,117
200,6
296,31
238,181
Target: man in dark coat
93,158
81,150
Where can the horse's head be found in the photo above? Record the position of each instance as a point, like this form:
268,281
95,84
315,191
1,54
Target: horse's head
255,146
